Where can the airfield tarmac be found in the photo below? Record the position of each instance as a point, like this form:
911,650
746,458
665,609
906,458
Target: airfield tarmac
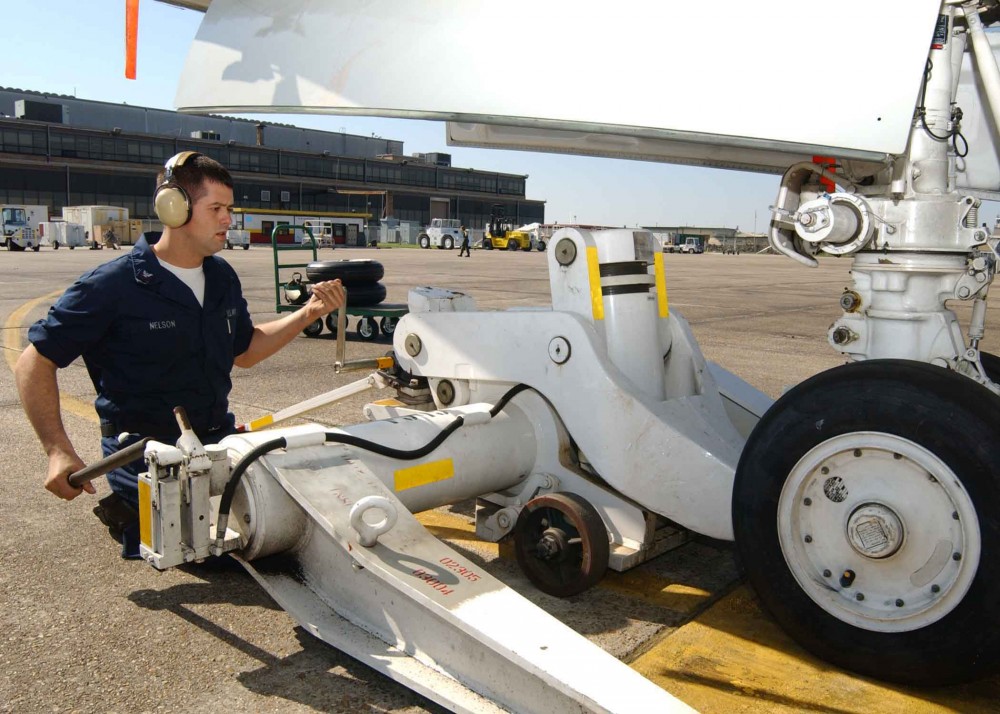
84,631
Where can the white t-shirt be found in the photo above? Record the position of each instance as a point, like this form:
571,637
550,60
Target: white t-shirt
194,278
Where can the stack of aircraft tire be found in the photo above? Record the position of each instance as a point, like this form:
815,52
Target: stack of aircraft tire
361,279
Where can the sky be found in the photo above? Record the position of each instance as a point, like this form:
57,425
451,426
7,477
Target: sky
76,48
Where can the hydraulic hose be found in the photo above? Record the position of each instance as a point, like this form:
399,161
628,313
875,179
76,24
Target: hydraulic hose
387,451
226,502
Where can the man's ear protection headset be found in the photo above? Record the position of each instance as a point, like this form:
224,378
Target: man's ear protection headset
171,201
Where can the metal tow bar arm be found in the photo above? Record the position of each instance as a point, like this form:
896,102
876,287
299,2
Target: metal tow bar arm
367,578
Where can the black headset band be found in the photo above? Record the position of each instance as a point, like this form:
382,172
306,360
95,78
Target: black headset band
176,161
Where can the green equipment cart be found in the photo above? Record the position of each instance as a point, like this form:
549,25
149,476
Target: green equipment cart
291,294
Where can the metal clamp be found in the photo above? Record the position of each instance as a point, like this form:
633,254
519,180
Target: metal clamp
368,533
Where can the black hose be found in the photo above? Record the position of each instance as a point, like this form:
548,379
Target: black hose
229,492
508,395
405,455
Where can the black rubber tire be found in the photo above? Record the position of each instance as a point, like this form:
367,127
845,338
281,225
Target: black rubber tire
424,241
941,411
246,246
367,329
36,248
348,272
313,329
541,246
447,243
331,323
991,363
512,245
487,244
55,245
573,569
365,295
229,246
388,325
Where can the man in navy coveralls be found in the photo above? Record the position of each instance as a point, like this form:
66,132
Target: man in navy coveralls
159,327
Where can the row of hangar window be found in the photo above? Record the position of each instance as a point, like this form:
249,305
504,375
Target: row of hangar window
60,143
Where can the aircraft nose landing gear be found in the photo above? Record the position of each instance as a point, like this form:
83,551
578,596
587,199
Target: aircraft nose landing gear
864,514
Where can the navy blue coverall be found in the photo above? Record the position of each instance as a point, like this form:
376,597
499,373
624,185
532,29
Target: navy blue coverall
149,347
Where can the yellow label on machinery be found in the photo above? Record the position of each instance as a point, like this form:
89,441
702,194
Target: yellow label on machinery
661,285
263,421
424,474
594,273
145,514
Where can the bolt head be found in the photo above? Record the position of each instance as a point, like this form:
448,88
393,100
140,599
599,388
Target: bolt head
565,251
559,350
412,344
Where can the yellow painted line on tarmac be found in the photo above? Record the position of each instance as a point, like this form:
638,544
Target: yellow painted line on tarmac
13,347
448,526
735,659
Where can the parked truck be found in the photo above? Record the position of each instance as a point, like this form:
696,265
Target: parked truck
237,238
684,244
441,233
20,225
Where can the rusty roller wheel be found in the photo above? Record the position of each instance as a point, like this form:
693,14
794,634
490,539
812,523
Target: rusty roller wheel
561,544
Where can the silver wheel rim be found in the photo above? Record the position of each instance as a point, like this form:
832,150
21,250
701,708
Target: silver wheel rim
879,532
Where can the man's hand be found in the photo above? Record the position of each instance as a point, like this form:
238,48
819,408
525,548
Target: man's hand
61,465
326,297
272,336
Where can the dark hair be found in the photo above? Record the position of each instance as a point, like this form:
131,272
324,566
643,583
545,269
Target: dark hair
193,173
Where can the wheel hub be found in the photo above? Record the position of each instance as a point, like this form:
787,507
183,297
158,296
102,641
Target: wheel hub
878,531
552,544
875,531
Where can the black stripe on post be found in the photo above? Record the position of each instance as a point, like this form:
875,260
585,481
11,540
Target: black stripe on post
630,267
625,289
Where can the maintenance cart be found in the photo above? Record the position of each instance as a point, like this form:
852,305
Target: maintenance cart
360,277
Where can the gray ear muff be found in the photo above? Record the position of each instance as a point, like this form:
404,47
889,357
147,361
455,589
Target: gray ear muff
171,202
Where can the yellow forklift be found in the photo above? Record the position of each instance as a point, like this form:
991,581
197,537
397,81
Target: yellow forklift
501,233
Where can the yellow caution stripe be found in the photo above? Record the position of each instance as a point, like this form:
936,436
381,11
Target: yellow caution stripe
260,423
661,285
145,514
594,273
423,474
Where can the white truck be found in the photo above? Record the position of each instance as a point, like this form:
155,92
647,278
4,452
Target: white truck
20,223
441,233
686,244
236,237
